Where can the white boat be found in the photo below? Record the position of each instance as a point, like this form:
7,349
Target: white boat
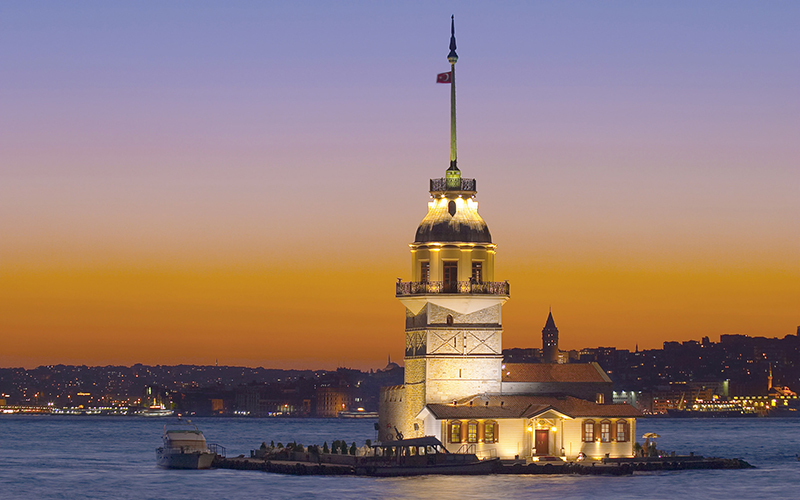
155,411
184,448
358,414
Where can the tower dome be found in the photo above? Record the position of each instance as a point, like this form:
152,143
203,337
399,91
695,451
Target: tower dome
452,217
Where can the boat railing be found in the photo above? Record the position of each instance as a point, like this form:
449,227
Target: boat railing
218,449
176,450
487,453
466,449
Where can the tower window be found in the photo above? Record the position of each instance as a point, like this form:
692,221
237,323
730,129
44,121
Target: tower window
477,272
451,208
425,272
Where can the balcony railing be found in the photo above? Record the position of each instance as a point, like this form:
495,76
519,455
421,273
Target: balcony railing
453,287
440,184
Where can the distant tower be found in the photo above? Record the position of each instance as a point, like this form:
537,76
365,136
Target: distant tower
550,340
769,378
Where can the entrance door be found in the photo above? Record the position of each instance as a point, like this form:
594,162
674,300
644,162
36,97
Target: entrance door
450,275
542,442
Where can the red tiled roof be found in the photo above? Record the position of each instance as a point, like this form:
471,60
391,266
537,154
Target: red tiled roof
552,372
575,407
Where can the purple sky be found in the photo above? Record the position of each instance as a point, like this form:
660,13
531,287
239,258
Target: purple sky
654,140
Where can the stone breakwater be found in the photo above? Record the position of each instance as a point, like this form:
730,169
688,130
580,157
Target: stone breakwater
613,467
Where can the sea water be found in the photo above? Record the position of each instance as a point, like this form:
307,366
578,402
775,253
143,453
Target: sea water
48,457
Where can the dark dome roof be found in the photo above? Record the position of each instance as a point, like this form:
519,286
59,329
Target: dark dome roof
464,225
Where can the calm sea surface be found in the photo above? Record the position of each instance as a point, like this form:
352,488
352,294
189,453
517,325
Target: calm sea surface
97,457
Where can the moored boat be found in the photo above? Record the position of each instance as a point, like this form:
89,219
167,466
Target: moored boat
155,411
358,414
420,456
184,448
713,409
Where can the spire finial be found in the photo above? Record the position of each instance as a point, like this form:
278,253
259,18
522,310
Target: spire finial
452,56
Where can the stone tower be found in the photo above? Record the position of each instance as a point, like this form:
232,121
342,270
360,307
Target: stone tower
453,344
550,341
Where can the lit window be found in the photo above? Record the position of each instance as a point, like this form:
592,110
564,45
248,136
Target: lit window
477,272
472,432
622,431
588,431
455,431
490,432
605,432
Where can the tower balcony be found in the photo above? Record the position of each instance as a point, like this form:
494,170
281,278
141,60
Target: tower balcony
466,185
405,288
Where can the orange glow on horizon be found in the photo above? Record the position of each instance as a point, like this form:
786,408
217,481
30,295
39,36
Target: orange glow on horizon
321,314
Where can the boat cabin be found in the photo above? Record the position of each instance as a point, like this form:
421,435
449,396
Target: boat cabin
426,450
185,440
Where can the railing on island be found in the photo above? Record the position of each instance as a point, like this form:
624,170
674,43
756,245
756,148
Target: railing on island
452,287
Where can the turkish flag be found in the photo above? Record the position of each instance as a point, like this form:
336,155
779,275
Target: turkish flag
444,77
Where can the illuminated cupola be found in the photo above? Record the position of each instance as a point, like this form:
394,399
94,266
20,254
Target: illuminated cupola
453,213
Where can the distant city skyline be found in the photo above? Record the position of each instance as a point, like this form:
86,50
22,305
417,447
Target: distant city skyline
241,182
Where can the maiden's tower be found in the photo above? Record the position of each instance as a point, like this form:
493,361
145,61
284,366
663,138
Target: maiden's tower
457,387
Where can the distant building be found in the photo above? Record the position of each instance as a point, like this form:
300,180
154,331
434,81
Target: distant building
332,400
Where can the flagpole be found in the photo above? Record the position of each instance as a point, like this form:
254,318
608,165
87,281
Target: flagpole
452,57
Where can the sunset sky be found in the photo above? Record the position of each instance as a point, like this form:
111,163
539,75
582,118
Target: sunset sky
185,182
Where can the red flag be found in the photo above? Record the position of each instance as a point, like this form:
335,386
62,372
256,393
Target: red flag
444,77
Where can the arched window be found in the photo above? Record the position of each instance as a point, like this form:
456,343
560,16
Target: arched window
605,431
455,431
588,431
449,319
472,431
490,432
622,431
